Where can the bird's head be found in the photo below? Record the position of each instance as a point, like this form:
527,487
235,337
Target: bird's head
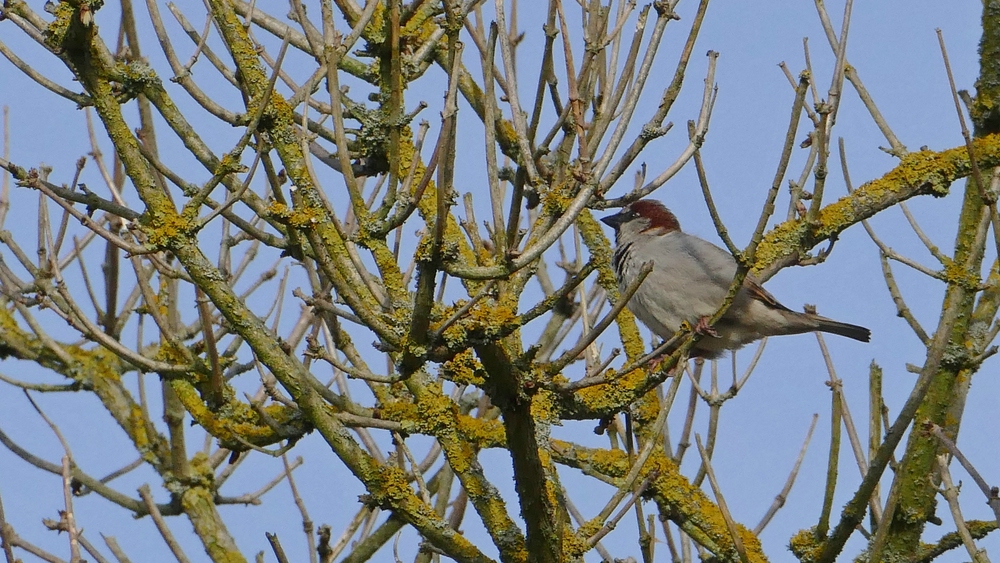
643,217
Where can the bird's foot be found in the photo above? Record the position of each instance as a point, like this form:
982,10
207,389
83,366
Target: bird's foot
657,362
705,329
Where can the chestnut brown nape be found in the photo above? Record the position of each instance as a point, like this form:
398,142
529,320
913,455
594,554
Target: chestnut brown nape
657,214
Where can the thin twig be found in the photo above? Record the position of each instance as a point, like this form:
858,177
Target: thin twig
951,495
629,481
706,192
779,500
6,536
610,524
578,517
279,552
465,308
897,296
734,531
67,517
837,387
989,198
992,493
307,524
161,525
112,544
91,549
604,323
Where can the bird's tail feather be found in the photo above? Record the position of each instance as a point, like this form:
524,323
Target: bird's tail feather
843,329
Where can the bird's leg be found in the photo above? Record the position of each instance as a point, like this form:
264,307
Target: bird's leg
705,329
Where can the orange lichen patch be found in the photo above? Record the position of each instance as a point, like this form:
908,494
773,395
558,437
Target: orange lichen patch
389,486
391,276
98,368
486,320
644,412
462,459
959,275
241,48
437,415
15,341
431,415
482,433
375,30
617,391
587,530
235,422
492,315
688,506
407,154
173,353
694,512
164,228
138,432
600,249
425,249
402,411
806,547
613,463
97,365
57,29
505,130
543,407
301,217
229,163
102,370
420,26
558,197
463,369
553,491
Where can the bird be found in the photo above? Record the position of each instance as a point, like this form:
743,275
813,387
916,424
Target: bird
689,280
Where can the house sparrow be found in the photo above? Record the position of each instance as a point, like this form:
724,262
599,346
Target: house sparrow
689,282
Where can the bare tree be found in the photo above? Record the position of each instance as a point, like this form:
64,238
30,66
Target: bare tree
314,200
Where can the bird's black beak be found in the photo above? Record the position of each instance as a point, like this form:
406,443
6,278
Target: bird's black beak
614,221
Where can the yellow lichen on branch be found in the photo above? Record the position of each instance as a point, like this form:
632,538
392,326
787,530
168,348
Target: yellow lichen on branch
235,424
920,173
685,504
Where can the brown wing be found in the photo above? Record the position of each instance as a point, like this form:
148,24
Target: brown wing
757,291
